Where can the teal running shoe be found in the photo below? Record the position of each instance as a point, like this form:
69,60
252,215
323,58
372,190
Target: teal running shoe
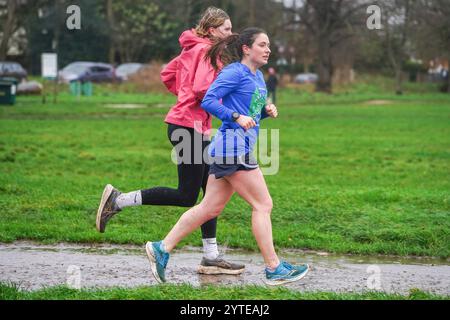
285,273
300,267
158,260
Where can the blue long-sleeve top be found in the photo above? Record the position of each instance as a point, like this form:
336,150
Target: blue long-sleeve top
236,89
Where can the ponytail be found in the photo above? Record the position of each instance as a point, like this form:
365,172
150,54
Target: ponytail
230,50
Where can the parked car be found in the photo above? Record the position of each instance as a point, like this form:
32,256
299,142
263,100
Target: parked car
306,78
127,69
87,71
12,70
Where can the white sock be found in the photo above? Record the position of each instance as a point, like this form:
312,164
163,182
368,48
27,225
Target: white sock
163,247
210,250
130,199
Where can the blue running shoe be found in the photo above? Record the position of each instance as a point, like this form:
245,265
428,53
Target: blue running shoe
300,267
285,273
158,260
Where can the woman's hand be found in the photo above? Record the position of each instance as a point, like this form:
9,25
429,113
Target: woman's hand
246,122
271,110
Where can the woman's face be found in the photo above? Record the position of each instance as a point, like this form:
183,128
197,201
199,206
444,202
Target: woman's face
259,53
222,31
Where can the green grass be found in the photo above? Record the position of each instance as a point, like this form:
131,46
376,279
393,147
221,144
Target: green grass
354,177
187,292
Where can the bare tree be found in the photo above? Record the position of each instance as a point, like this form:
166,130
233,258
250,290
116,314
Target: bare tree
433,17
110,19
330,23
9,26
398,18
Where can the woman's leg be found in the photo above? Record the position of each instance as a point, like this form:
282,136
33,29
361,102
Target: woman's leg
218,193
251,186
190,180
190,175
209,228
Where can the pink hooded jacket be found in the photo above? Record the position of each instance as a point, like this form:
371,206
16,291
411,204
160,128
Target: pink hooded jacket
189,76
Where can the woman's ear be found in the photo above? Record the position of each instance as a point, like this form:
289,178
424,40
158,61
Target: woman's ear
246,50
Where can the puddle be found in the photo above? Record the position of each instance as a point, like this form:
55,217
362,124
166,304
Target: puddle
125,106
379,102
33,266
135,106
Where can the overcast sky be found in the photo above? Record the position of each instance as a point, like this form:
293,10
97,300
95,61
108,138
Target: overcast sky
289,3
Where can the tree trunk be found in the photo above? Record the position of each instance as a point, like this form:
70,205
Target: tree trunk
448,81
448,73
395,63
252,9
112,42
8,28
398,81
324,65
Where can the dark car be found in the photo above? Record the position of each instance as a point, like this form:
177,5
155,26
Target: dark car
87,71
12,70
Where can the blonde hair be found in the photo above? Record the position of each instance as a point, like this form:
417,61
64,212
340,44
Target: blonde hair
212,18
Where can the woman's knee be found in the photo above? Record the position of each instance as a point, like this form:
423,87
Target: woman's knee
188,199
187,203
212,210
264,206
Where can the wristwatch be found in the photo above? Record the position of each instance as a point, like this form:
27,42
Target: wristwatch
235,116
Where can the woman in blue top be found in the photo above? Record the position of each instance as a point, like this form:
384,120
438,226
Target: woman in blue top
238,98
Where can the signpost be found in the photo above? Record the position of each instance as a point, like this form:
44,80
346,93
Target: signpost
50,71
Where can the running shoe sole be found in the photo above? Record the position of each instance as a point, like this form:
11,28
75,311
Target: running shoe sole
106,193
281,282
152,260
217,270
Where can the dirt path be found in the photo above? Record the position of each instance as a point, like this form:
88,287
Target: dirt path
34,266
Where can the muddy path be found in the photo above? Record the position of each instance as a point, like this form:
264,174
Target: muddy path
33,266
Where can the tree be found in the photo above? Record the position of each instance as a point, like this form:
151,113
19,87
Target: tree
12,15
434,25
9,26
112,33
398,22
138,25
46,31
330,23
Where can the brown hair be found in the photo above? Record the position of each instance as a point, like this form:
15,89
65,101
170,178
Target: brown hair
212,18
229,50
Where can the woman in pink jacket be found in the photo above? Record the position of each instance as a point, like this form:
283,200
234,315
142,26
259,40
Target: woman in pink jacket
188,76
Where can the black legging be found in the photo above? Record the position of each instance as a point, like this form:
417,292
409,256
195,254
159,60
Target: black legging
191,177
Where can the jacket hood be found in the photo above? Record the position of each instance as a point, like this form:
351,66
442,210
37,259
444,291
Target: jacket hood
189,39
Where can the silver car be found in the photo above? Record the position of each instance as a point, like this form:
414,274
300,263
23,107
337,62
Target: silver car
87,71
127,69
12,70
306,78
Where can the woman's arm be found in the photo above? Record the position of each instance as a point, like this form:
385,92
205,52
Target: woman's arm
227,81
169,76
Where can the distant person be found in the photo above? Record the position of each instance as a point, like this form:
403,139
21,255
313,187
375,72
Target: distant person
445,76
188,76
272,83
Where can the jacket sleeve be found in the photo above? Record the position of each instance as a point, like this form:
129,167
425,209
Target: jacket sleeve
227,81
204,77
169,76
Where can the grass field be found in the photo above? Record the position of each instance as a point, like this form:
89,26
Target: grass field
186,292
356,175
